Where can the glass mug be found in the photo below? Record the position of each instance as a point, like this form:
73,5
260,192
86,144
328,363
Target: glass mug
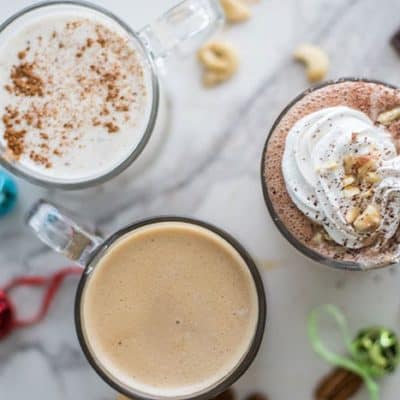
289,236
59,231
183,28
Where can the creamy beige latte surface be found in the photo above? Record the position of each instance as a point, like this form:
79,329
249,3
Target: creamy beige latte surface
170,310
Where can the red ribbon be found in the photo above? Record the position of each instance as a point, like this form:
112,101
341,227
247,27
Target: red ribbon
8,318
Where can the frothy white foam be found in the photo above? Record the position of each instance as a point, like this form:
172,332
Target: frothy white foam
76,117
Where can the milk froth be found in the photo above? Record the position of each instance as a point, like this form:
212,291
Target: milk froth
75,95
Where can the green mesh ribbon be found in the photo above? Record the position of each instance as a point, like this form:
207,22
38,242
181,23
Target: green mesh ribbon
373,353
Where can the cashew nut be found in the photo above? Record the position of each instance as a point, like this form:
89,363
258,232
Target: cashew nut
386,118
235,10
315,60
220,62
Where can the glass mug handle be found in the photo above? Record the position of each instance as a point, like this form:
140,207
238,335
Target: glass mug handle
184,27
61,233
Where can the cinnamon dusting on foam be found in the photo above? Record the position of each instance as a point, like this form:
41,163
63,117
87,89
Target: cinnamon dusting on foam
54,101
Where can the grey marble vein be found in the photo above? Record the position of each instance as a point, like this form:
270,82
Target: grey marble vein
209,168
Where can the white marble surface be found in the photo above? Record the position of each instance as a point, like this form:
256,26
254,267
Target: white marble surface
209,169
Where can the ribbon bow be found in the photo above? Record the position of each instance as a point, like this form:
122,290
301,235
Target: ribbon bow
8,317
373,353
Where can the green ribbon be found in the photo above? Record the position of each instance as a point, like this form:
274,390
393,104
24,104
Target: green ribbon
373,353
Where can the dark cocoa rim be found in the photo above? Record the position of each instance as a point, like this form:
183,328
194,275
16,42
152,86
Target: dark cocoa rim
312,254
248,358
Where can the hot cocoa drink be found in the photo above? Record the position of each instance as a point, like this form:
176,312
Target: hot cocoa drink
170,310
332,173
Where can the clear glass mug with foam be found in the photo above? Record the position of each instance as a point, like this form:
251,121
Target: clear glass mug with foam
182,28
208,309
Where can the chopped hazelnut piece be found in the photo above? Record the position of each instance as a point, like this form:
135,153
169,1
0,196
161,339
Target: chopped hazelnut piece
352,214
330,165
372,177
351,191
348,180
367,194
365,164
317,238
368,221
348,163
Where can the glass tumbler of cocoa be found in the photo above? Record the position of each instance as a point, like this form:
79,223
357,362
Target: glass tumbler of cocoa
329,174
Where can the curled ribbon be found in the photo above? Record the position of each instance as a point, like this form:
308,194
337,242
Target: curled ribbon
8,317
373,353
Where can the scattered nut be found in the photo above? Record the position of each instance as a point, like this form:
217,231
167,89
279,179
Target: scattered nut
368,221
315,60
220,62
386,118
317,239
365,165
348,180
352,214
367,194
351,191
348,163
235,10
330,166
372,177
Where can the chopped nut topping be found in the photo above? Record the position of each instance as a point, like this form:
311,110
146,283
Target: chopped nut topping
330,165
317,239
368,221
351,191
348,180
348,163
352,214
390,116
372,177
364,164
367,194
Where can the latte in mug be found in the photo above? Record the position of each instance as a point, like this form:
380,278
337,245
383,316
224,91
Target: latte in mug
170,309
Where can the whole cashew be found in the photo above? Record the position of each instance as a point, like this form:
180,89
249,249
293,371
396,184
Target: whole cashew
235,10
315,60
220,62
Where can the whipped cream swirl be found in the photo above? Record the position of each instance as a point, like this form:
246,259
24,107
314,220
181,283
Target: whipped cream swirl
314,172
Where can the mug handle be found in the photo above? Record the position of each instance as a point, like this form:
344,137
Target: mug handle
61,233
183,28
